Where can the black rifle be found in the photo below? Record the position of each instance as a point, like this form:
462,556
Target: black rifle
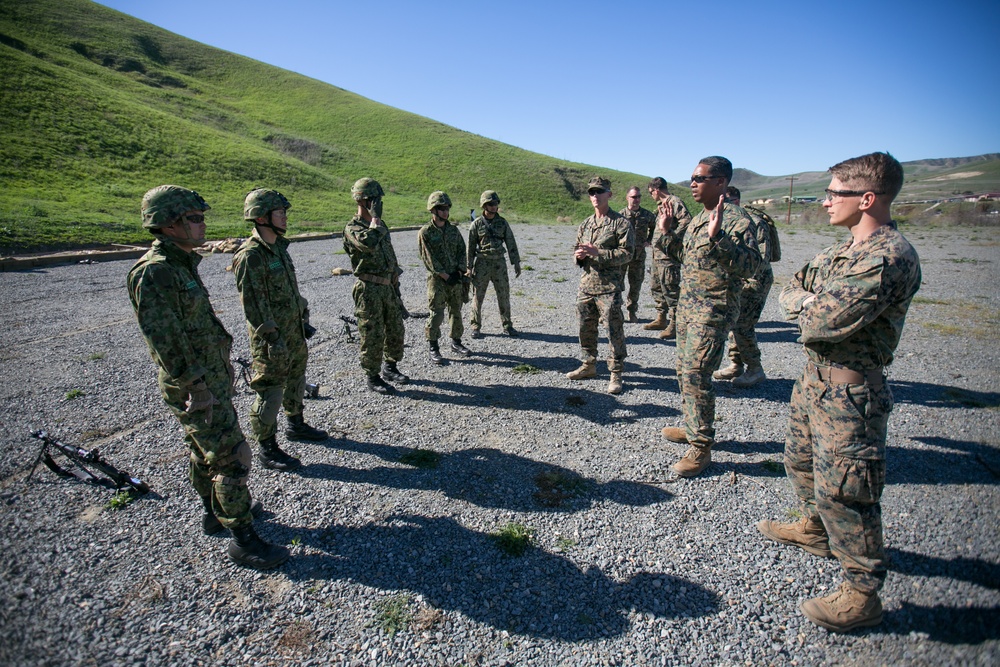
245,368
84,460
348,321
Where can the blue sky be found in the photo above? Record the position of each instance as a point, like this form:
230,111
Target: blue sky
646,87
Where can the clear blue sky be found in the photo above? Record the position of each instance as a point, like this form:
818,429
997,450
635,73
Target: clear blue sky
647,87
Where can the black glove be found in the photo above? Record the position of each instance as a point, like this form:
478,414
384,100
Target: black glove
454,278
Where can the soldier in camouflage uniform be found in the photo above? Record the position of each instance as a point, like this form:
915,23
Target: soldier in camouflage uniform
719,252
604,246
643,223
376,303
191,348
665,272
443,252
743,348
850,303
487,237
278,325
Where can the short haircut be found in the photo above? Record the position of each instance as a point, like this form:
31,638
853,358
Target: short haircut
875,172
733,192
658,183
718,166
634,187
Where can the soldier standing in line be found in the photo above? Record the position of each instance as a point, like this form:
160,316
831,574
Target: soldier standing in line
487,237
377,306
719,252
191,347
604,246
443,252
743,347
850,303
665,272
643,223
278,325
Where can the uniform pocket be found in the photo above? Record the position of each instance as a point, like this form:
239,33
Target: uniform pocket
861,479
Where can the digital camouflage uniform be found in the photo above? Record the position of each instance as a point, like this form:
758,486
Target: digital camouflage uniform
835,450
665,271
376,305
712,276
600,292
442,250
643,223
486,261
187,342
743,347
265,277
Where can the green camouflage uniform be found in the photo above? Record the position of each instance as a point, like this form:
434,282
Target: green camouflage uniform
486,261
712,276
376,305
600,292
265,277
665,272
188,342
442,250
743,348
835,450
643,223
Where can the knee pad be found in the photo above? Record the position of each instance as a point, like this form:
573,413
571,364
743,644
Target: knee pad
265,408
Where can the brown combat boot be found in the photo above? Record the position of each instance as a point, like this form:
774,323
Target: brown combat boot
588,369
674,434
752,376
658,324
693,463
670,332
844,610
732,371
807,533
615,383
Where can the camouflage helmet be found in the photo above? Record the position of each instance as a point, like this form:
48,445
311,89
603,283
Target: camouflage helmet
366,188
438,198
262,201
489,197
162,205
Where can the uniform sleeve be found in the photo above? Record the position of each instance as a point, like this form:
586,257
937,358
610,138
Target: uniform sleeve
846,304
473,243
512,252
458,252
251,281
365,239
736,246
427,252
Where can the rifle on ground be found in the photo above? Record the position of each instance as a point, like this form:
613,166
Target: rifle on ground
83,460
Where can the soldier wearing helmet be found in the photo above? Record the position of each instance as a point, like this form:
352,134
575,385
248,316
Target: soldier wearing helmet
377,306
488,235
442,250
191,347
278,324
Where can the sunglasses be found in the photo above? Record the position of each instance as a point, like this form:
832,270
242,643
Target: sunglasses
701,179
830,194
195,218
595,191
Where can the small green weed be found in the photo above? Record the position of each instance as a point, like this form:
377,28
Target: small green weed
564,543
527,267
794,514
945,329
96,356
297,540
923,299
584,619
392,614
513,539
526,369
421,458
576,401
559,279
556,486
966,260
74,393
773,466
119,501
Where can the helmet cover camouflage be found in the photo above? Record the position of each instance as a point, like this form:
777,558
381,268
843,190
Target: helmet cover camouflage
489,197
366,188
262,201
438,198
162,205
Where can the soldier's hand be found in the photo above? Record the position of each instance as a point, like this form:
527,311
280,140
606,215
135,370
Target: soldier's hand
715,219
200,399
517,269
277,353
665,219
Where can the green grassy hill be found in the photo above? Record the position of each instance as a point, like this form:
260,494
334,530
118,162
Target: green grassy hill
98,107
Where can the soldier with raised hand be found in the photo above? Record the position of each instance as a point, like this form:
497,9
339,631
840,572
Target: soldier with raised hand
743,347
643,223
488,235
278,324
442,250
604,246
719,251
665,271
850,303
376,303
191,348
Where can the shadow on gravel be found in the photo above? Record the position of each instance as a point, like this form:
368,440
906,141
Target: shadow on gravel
540,594
951,625
949,462
972,570
488,478
942,396
777,332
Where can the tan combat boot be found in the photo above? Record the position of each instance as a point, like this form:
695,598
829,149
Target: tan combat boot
674,434
658,324
670,331
693,462
752,376
807,533
587,369
845,609
615,383
730,372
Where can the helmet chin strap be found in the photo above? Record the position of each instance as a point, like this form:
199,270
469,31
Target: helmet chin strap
270,225
189,237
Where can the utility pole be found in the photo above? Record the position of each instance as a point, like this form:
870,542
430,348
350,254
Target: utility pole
791,183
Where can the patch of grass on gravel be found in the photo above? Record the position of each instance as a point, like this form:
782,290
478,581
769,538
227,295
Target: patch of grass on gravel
556,487
119,501
392,614
75,393
298,636
421,458
971,399
773,466
513,539
576,401
927,300
526,369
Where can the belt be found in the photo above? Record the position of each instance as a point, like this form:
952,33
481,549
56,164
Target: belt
378,280
836,375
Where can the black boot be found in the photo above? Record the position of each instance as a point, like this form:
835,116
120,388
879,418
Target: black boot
210,525
391,374
272,457
248,550
458,348
435,353
299,430
378,385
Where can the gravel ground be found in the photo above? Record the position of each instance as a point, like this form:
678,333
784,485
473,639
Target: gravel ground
626,568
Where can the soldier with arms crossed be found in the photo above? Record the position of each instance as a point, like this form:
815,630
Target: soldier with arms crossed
643,223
